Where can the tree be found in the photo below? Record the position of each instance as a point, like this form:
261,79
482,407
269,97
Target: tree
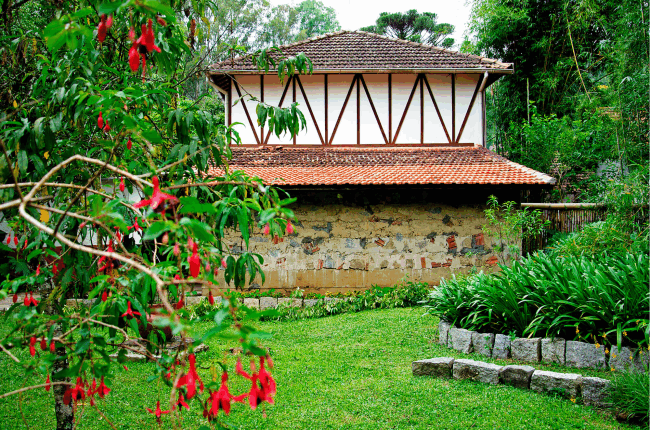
416,27
103,113
286,24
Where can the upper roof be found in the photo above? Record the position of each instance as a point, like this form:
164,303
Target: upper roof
359,50
331,166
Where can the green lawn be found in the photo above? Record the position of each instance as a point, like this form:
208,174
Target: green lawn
345,372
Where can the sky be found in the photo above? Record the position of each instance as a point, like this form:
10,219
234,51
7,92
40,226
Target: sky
354,14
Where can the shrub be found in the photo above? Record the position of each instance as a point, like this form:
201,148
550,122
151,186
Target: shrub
603,298
629,394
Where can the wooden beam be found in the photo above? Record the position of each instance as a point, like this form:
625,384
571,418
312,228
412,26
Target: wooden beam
243,103
435,105
304,95
390,107
406,109
453,107
358,111
421,109
469,109
229,104
372,105
262,98
483,124
326,116
284,93
294,100
345,103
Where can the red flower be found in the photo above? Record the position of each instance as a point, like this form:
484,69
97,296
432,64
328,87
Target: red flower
47,383
16,240
52,347
180,303
130,313
91,392
157,197
102,390
177,249
104,296
266,380
132,34
135,226
25,245
8,239
55,269
257,395
38,270
75,393
129,144
221,399
15,297
31,301
100,121
223,263
134,57
147,39
122,184
165,239
177,277
195,262
102,27
158,412
43,344
32,350
181,402
211,298
190,379
161,21
289,228
267,229
107,127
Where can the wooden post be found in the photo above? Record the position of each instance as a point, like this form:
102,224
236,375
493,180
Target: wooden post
326,117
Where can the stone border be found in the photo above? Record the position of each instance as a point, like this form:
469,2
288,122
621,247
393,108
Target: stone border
546,350
569,385
261,303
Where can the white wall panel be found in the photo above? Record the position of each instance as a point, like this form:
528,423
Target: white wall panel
402,87
315,91
378,88
441,88
273,90
250,83
338,86
465,87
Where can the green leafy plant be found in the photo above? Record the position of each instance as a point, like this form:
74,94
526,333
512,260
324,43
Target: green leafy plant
629,394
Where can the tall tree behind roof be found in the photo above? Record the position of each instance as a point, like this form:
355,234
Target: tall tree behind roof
286,24
414,26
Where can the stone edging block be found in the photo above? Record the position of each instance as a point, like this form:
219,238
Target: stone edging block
461,339
517,376
438,367
528,350
476,371
581,355
565,384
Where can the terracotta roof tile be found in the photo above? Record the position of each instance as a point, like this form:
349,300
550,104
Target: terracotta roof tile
297,165
358,50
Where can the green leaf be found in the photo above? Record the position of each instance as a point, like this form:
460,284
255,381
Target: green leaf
194,206
156,229
200,230
82,346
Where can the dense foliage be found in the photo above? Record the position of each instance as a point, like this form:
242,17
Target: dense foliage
600,299
414,26
630,396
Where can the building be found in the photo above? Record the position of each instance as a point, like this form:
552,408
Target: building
392,174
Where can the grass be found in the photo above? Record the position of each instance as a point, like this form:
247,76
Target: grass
349,371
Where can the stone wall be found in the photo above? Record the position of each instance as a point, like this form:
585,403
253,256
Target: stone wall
352,239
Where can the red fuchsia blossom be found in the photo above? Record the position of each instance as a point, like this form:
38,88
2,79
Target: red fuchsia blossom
15,297
210,298
43,344
165,239
129,144
220,400
157,199
177,249
135,226
266,380
30,300
109,261
102,390
158,412
32,342
141,47
104,25
181,403
258,393
177,277
100,121
8,239
25,245
16,240
104,296
75,393
107,127
195,262
91,392
129,312
267,229
122,184
47,383
38,270
223,263
289,228
190,379
52,347
180,303
132,34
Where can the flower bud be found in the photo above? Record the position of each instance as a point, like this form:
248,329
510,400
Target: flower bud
177,249
165,239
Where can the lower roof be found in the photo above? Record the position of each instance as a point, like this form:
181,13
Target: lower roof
380,165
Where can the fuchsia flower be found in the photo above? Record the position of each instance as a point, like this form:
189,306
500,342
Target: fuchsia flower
180,303
129,144
16,240
157,199
32,350
132,34
91,392
145,44
52,347
100,121
122,184
104,25
47,383
177,249
161,21
135,226
258,393
104,296
38,270
30,300
211,298
221,399
195,262
102,390
181,402
109,263
190,379
107,127
75,393
165,239
129,312
158,412
289,228
25,245
134,57
267,229
8,239
43,344
223,263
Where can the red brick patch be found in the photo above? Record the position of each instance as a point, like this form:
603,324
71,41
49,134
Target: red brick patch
397,222
492,261
448,263
380,242
451,242
479,240
424,262
320,264
435,265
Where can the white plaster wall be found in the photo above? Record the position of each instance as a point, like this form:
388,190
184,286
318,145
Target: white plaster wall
346,133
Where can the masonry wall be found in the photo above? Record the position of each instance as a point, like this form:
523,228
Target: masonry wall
352,239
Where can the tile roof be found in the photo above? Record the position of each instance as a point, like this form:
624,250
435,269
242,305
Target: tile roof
330,166
359,50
